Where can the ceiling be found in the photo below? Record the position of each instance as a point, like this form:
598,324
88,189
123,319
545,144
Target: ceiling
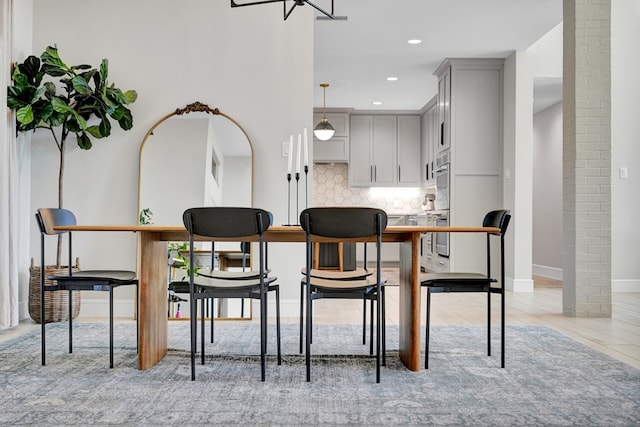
355,56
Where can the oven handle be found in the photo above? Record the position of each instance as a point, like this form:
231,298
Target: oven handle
442,168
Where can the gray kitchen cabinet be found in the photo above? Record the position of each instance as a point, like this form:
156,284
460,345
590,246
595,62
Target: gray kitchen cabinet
409,151
444,109
373,144
335,150
470,121
428,140
385,150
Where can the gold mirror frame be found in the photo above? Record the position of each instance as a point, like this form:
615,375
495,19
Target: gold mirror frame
196,107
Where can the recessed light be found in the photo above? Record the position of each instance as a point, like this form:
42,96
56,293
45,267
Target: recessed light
414,41
377,102
392,79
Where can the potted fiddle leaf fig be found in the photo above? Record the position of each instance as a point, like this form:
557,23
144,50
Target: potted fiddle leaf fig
71,102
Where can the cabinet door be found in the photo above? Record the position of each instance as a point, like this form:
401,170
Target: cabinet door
361,154
444,111
409,150
337,148
384,150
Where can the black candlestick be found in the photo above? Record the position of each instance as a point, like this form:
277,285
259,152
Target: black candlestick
306,186
289,199
297,196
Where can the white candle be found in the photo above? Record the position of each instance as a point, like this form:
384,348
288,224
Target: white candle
306,148
290,153
298,154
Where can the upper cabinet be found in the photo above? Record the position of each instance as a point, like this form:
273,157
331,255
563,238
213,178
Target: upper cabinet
444,110
429,142
335,150
385,150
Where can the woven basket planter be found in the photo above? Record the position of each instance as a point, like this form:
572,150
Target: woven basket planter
56,304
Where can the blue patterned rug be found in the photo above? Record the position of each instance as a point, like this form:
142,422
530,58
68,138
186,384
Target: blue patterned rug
550,380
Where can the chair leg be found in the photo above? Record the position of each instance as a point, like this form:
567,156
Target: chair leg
263,335
308,334
301,311
364,321
203,307
502,331
428,325
278,324
42,323
378,344
371,329
212,318
70,321
193,327
111,327
489,321
384,329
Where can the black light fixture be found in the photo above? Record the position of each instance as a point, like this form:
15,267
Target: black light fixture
286,12
324,131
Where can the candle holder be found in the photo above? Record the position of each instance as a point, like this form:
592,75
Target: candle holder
288,199
306,186
297,197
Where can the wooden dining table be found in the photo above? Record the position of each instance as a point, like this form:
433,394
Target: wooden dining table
152,276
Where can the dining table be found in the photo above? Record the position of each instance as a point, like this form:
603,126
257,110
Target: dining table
152,277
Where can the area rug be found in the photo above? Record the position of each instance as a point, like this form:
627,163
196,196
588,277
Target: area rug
549,380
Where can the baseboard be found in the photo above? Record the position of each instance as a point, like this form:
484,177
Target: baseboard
625,285
549,272
519,285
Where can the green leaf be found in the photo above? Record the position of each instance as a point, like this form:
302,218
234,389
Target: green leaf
81,67
131,96
84,141
104,70
20,80
81,86
94,131
82,123
30,67
105,127
126,121
60,105
24,115
50,90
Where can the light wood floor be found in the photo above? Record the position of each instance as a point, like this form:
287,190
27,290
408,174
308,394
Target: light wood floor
618,336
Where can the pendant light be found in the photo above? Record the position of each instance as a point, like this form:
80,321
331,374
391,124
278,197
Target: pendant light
324,131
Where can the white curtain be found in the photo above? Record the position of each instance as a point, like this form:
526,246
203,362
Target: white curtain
10,202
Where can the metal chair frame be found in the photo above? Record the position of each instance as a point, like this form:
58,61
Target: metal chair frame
86,280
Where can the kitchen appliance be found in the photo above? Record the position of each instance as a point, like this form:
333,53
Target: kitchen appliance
442,239
442,181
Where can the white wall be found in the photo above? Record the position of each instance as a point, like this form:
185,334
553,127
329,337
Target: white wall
547,192
248,62
625,144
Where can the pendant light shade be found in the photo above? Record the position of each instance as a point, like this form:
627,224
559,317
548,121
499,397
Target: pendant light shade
323,130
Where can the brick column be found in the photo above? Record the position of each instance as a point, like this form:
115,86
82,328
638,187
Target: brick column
587,158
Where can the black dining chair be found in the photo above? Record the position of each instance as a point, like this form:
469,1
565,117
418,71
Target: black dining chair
84,280
342,224
359,273
473,282
224,224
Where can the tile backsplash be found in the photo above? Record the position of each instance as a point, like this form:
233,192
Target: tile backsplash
331,188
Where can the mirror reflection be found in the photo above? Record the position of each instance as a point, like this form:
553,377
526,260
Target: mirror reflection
196,156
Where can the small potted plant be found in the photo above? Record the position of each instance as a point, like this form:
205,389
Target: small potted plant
65,100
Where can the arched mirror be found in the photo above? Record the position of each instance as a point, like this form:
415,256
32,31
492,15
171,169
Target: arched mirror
196,156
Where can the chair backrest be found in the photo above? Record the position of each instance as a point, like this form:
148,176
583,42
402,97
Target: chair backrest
226,222
499,219
48,218
343,222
